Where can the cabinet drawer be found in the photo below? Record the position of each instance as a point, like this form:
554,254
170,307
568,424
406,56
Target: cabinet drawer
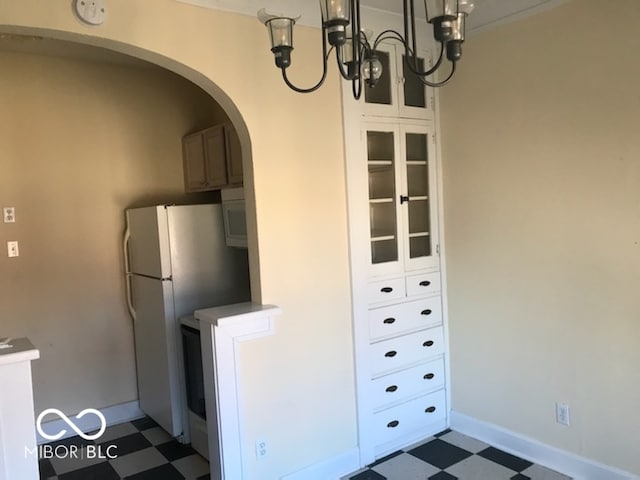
403,351
404,317
407,383
384,290
406,418
423,284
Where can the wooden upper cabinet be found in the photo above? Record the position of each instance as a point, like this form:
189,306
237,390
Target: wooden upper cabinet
212,159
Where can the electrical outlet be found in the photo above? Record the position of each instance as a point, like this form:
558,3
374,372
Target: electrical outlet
9,214
562,413
261,449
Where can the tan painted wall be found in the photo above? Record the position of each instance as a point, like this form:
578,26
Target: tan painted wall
299,384
79,143
542,190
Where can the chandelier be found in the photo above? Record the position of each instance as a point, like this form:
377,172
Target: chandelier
356,53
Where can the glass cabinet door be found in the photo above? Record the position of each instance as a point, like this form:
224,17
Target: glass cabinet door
399,92
419,198
381,165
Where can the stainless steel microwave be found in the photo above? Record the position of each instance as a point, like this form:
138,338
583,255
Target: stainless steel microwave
235,217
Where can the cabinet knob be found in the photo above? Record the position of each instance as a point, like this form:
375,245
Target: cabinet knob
389,320
425,283
391,388
393,424
426,312
428,343
428,376
386,289
391,354
430,409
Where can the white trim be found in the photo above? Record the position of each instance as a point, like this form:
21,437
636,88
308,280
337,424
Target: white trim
114,415
577,467
331,469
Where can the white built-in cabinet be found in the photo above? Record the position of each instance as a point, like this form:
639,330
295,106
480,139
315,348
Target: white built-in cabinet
393,185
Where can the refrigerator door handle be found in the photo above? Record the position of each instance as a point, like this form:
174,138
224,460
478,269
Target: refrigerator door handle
127,273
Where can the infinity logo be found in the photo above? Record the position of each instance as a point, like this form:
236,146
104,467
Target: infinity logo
103,424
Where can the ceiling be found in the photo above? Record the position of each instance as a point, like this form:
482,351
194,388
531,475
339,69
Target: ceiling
487,14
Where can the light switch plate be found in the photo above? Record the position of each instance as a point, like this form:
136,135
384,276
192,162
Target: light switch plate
12,249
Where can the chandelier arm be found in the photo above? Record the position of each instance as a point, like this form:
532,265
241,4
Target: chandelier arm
324,70
443,82
357,92
435,67
345,74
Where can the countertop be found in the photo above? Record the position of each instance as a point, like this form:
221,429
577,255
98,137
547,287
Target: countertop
21,350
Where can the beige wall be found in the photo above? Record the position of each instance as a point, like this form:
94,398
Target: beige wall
542,189
79,142
299,383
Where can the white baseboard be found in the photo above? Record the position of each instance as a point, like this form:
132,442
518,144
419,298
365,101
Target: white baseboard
330,469
570,464
123,412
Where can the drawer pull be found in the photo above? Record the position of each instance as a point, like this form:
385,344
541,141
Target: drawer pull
391,388
386,289
393,424
425,283
391,354
428,343
429,376
426,312
430,409
389,320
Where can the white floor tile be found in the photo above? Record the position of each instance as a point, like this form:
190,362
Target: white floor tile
537,472
478,468
116,431
137,462
405,467
192,467
459,440
156,435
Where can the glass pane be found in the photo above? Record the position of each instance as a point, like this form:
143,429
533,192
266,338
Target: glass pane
416,146
380,146
419,221
414,89
420,246
418,180
382,218
384,251
381,92
381,182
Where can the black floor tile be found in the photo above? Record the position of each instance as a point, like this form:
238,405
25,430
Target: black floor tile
144,423
46,469
520,477
175,450
368,475
443,476
128,444
163,472
101,471
204,477
440,453
505,459
444,432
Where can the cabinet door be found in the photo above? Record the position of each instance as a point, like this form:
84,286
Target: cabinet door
234,155
399,92
193,162
419,208
382,154
215,156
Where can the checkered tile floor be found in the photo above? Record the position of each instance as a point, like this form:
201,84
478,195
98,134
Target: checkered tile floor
144,452
450,455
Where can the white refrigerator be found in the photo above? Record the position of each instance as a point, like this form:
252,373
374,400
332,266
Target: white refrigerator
176,261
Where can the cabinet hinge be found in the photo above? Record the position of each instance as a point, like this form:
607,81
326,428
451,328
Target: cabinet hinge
433,103
438,249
